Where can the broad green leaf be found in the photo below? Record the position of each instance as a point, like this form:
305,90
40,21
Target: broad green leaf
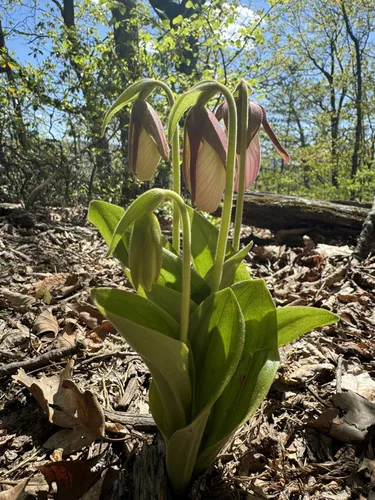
231,267
188,100
166,298
204,237
171,277
135,309
146,202
294,321
130,94
182,450
255,371
152,333
216,337
105,217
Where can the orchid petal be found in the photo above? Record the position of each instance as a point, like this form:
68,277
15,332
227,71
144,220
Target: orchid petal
267,127
147,142
204,158
148,157
254,121
252,164
210,179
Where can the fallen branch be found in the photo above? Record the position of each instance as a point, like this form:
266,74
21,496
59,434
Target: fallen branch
366,240
291,217
139,422
42,360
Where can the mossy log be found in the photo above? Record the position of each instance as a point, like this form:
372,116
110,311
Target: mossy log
288,213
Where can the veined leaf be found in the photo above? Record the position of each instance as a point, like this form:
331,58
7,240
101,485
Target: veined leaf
232,267
255,371
216,337
105,217
171,277
204,236
146,202
166,298
152,333
294,321
182,450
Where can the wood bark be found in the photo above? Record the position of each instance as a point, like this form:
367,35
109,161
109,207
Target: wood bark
366,240
283,214
356,157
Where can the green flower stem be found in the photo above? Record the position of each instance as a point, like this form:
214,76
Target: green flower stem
228,194
176,175
186,257
241,180
177,189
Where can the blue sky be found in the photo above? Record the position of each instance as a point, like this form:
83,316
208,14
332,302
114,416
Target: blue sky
23,19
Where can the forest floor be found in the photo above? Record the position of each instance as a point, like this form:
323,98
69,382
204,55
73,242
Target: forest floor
313,437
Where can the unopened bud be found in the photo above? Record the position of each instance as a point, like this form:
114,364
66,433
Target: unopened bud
145,251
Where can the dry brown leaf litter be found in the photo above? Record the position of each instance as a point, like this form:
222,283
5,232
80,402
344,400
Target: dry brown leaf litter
312,438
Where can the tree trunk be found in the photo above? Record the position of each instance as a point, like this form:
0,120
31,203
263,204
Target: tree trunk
356,157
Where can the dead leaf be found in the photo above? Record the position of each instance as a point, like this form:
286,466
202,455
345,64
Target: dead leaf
369,466
88,314
115,428
46,322
15,493
57,402
352,426
89,411
70,440
72,478
94,493
56,455
18,300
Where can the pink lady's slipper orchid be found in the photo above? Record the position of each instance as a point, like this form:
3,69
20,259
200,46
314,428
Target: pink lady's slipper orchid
256,118
147,141
204,158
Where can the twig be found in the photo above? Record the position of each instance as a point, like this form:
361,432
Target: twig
139,422
42,360
339,374
316,396
100,357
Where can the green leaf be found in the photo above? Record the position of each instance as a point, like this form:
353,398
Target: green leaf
182,450
152,333
171,277
232,267
129,95
146,202
204,236
166,298
204,90
216,337
294,321
255,371
105,217
178,19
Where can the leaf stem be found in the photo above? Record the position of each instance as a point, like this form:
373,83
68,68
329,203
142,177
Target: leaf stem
186,258
228,194
243,96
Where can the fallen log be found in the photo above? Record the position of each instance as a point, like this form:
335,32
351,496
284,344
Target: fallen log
292,215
